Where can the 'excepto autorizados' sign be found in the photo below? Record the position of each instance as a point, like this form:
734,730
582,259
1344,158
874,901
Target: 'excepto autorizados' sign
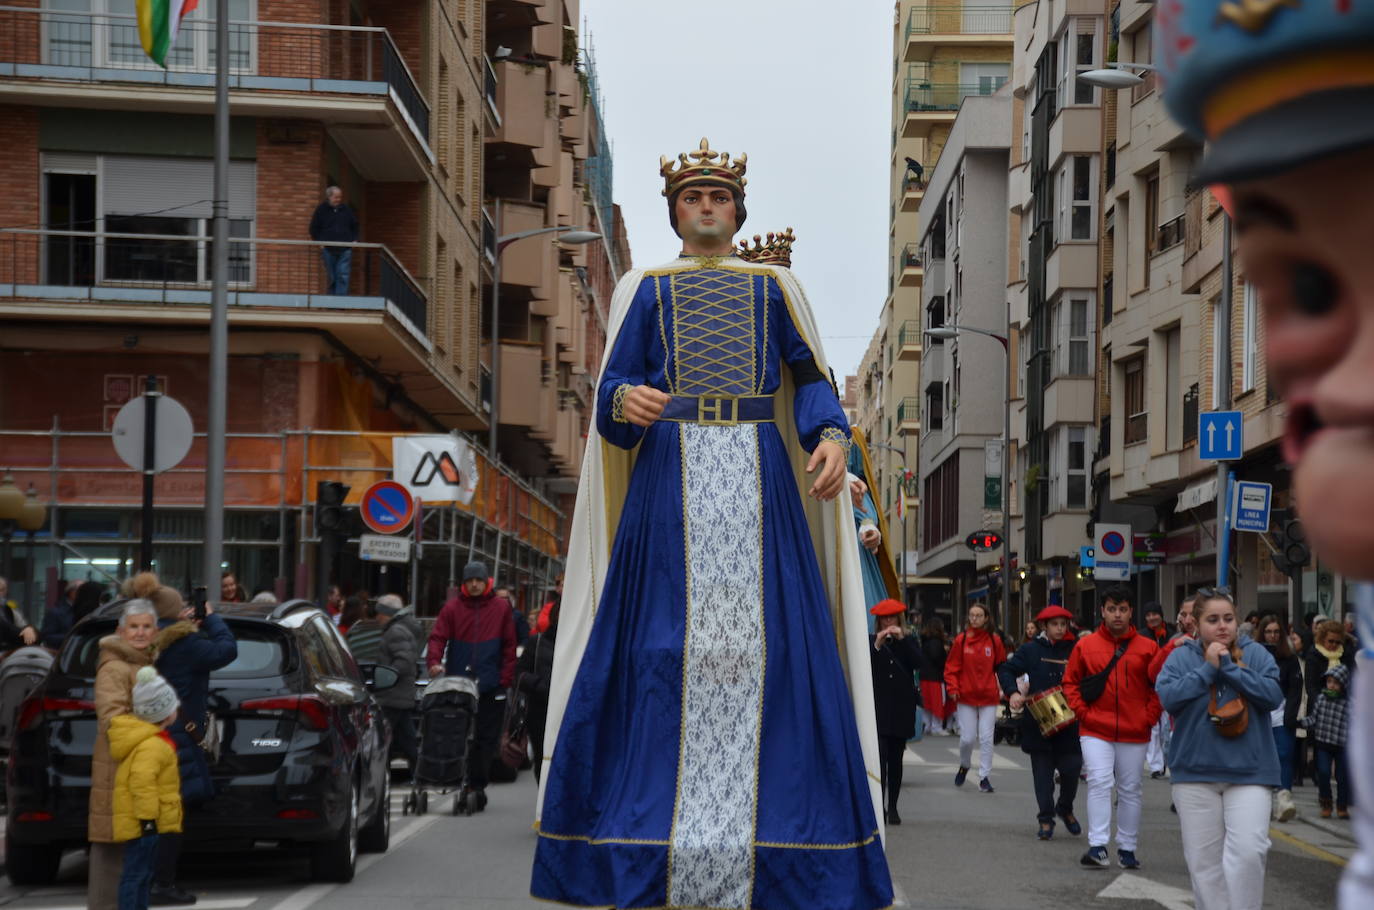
384,548
1112,552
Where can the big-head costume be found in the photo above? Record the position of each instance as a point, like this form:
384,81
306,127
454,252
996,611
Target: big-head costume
711,739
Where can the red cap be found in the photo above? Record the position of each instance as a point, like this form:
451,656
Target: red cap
888,607
1053,611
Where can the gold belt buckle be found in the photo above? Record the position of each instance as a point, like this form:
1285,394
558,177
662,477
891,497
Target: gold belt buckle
709,411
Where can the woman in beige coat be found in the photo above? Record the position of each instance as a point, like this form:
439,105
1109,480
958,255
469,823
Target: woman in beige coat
132,646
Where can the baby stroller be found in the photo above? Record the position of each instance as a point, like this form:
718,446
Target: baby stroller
20,674
448,716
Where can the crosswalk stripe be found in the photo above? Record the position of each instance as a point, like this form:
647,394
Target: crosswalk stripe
229,903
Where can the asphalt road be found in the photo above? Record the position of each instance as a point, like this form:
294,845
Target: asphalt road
957,849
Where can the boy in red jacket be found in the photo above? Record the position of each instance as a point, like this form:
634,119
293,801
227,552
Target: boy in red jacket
1114,727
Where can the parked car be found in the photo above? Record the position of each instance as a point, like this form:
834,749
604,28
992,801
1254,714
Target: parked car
303,758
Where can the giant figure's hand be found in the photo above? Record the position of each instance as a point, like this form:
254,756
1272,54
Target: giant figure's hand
829,457
870,538
857,489
643,405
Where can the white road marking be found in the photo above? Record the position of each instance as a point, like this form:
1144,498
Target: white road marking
228,903
308,896
1138,888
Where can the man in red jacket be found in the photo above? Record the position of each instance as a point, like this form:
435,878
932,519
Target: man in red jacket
474,636
1114,728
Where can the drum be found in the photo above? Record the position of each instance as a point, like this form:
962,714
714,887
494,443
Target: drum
1051,711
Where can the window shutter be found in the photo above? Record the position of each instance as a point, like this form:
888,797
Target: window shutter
175,187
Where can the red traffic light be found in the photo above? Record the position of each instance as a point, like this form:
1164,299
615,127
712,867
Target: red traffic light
980,541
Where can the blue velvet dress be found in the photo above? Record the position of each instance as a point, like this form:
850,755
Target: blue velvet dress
709,755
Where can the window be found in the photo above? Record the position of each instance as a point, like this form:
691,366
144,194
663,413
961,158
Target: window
1142,51
940,507
111,40
1068,480
1134,380
935,407
1218,345
982,78
1073,337
935,317
1085,58
1081,216
1248,341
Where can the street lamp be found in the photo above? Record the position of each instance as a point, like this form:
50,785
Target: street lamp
568,235
908,479
1116,75
949,332
31,519
22,513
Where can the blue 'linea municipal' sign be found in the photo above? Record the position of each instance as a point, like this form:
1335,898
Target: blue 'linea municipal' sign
1250,506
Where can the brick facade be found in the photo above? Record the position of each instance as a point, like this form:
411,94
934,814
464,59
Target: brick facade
20,180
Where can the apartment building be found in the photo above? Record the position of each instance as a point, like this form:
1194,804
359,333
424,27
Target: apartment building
941,54
1164,351
962,225
548,165
1053,288
104,269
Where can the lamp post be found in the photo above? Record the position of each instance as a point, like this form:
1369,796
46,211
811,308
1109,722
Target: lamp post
947,332
907,476
568,235
31,519
11,510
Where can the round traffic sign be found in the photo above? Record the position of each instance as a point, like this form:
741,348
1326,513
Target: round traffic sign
387,507
171,433
1113,543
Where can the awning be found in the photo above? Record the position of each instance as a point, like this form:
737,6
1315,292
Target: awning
977,593
928,580
1196,494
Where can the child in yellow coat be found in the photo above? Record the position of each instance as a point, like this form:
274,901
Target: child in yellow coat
147,791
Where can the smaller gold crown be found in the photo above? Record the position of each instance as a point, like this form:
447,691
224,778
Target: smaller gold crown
776,250
705,165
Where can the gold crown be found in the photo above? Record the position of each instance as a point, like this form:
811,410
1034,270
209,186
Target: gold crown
703,166
776,250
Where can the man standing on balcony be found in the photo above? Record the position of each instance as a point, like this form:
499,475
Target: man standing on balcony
711,739
335,220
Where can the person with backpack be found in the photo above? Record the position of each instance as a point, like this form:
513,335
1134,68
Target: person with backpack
1108,686
972,685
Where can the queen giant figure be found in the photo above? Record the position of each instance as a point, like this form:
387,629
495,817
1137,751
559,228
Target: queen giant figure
711,740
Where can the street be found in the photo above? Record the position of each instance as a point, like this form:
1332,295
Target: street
957,849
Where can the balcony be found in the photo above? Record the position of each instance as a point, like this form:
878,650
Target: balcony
488,237
276,69
955,26
913,191
1171,233
909,415
911,265
83,275
930,103
909,340
489,90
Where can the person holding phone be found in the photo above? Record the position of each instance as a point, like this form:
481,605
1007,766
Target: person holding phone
896,657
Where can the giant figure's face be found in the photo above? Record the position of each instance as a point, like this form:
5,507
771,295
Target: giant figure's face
1304,241
705,215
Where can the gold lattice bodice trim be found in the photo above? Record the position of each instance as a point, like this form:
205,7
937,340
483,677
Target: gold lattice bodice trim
714,319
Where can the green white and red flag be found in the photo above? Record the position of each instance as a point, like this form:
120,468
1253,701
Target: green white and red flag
158,23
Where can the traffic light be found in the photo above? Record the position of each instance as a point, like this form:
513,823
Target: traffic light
329,507
1290,545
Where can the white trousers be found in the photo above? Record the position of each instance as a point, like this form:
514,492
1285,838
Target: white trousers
1225,841
1156,755
976,722
1109,765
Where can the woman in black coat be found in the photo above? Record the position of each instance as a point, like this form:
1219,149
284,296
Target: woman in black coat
1044,660
534,677
896,658
1273,634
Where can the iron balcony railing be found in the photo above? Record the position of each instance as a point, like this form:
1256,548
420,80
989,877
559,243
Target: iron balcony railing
909,409
1170,234
274,56
959,20
911,184
1190,402
909,333
175,269
927,97
488,236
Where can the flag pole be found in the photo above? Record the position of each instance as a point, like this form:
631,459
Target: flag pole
219,316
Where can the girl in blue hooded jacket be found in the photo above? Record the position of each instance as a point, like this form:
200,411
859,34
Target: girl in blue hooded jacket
1222,781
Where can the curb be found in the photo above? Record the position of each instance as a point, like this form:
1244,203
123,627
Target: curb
1343,831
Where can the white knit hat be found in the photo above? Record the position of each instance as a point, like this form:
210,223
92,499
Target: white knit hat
154,698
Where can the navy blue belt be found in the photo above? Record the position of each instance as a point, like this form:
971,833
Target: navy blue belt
719,411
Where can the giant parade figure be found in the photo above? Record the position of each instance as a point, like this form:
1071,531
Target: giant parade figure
711,740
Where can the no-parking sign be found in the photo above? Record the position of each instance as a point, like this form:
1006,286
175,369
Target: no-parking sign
387,507
1112,552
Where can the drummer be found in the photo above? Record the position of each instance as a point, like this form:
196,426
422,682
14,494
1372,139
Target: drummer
1051,741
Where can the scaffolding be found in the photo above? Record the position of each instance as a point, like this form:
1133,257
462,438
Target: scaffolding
93,500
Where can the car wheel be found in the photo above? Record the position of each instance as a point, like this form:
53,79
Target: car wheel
376,837
336,859
32,864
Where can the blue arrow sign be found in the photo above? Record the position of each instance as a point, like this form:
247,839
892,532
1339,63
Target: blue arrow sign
1219,435
1250,506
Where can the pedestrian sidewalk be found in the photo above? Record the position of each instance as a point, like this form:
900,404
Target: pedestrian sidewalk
1331,840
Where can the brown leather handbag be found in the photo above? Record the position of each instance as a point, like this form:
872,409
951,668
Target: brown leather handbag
1230,719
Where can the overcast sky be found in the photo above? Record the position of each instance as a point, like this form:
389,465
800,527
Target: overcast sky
803,87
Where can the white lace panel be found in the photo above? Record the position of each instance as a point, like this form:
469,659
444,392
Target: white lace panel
710,862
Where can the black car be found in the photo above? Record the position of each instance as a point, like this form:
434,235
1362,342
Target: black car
303,757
